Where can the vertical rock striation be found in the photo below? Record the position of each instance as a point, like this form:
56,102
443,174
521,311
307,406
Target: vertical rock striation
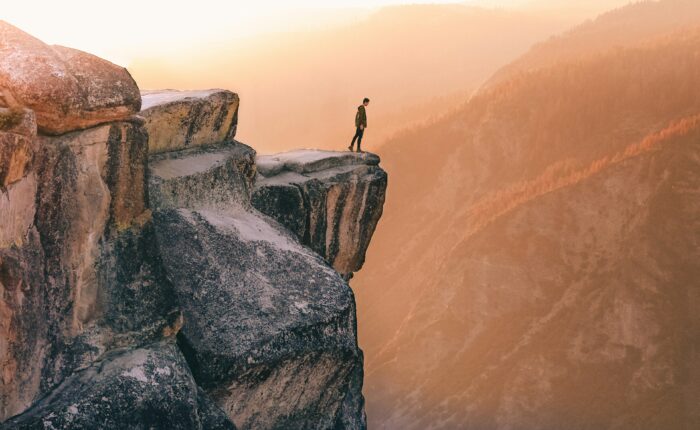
84,278
332,201
183,119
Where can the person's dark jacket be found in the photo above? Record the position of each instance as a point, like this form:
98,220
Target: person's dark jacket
361,117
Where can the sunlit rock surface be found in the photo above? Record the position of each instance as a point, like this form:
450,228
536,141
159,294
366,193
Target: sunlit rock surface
66,88
331,200
80,276
182,119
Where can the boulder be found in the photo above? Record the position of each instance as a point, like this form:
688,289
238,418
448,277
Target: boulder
202,177
331,200
183,119
66,88
270,330
149,387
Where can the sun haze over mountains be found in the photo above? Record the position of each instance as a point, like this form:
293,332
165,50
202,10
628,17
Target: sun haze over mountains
537,260
534,262
405,58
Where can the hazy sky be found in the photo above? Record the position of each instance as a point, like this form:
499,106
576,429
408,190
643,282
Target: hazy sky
124,29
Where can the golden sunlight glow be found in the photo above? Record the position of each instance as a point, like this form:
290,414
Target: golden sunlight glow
120,31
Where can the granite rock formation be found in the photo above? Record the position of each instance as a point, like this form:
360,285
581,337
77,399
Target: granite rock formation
269,329
143,291
183,119
80,275
331,202
67,89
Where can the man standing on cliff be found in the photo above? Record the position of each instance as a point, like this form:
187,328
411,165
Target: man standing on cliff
360,125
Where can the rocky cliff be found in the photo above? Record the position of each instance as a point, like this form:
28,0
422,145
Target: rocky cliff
150,276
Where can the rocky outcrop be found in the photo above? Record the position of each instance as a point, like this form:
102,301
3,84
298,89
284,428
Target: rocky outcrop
148,387
148,292
269,328
79,277
182,119
331,200
66,88
210,177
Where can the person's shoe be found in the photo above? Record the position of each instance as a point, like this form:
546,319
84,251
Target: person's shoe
350,148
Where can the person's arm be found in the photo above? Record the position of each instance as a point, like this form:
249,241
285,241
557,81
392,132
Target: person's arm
363,117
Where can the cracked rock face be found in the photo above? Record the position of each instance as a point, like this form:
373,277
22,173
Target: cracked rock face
149,387
270,330
79,277
332,201
66,88
184,119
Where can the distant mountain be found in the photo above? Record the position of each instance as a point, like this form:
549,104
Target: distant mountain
538,258
302,89
626,26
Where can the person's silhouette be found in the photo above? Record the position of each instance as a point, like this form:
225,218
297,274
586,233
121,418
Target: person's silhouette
360,125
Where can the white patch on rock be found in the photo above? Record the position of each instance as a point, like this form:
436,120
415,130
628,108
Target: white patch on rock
136,373
302,306
163,371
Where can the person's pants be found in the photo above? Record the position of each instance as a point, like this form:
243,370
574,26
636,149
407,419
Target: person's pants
358,135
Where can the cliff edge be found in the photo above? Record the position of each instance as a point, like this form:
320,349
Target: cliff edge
156,273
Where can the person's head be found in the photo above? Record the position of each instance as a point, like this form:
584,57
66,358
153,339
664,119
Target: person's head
365,101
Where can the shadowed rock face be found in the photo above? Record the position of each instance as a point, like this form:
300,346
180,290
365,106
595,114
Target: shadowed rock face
83,278
182,119
270,330
66,88
332,201
149,387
